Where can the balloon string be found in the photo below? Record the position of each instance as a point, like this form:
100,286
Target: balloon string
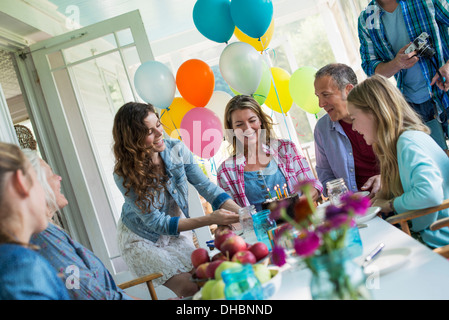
174,125
280,105
213,167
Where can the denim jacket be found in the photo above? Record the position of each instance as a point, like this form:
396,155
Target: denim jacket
180,168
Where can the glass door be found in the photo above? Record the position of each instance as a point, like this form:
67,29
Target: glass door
85,76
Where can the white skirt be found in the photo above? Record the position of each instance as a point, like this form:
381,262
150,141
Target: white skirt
169,255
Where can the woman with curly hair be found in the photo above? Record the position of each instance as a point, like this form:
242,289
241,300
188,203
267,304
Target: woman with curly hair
414,169
154,231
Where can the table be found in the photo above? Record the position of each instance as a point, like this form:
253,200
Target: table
424,276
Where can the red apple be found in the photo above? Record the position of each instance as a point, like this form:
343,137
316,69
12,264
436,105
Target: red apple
201,270
199,256
232,245
210,271
221,236
260,250
219,256
244,257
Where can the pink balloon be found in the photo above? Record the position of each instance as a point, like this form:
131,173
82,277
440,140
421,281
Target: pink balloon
202,132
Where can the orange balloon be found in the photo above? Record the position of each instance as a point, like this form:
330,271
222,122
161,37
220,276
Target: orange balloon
172,116
196,82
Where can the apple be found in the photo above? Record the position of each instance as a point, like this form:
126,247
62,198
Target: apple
219,256
210,271
244,256
223,266
232,245
201,270
217,291
260,250
206,290
262,272
199,256
221,236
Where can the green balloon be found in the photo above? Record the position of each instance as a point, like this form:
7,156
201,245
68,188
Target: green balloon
302,89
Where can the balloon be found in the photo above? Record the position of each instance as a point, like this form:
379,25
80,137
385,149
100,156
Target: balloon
252,17
263,89
196,82
172,116
202,132
279,92
218,104
302,89
155,84
241,67
260,44
213,19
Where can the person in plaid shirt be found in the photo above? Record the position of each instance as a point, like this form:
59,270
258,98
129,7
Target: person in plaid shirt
258,161
386,29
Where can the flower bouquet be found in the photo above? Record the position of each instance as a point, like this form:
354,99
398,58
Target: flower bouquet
322,244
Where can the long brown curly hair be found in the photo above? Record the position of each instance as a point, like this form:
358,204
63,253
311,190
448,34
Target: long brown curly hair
132,157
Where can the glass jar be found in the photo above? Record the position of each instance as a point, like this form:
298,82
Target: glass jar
263,225
246,218
335,276
335,189
242,284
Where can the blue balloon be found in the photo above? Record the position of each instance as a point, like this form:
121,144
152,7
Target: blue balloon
213,19
252,17
155,84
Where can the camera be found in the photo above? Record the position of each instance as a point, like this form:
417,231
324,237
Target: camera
422,46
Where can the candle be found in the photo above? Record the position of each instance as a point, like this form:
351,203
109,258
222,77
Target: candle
277,193
269,194
286,190
280,192
285,194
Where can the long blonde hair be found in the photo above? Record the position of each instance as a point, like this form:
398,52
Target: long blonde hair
379,97
12,159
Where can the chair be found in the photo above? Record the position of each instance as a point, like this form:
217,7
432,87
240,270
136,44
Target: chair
444,251
403,218
148,279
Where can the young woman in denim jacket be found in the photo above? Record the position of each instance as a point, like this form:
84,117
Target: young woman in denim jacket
154,231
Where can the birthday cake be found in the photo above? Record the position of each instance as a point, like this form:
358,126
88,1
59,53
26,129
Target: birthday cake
285,202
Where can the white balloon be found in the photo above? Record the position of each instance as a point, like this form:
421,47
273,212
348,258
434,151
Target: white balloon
241,67
155,84
218,102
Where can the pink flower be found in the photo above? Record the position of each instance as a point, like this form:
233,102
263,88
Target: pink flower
356,203
306,245
278,256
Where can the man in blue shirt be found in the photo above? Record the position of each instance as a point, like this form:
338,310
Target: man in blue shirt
340,151
386,29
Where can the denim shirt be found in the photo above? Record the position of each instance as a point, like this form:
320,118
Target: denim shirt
180,167
333,152
25,275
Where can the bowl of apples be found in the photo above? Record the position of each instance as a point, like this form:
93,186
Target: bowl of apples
233,251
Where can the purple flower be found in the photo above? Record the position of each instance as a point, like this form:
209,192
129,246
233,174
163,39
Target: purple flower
356,203
303,186
307,245
278,256
276,210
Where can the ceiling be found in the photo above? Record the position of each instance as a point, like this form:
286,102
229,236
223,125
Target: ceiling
161,18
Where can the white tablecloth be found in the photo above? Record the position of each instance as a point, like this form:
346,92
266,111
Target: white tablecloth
425,275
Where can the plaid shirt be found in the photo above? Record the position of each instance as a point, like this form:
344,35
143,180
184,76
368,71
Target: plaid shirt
295,168
431,16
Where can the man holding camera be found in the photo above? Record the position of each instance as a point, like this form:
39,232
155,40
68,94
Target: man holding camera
387,28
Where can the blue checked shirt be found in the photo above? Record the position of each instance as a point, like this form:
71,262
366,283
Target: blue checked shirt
431,16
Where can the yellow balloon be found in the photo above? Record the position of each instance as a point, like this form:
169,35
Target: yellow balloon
259,45
172,116
279,98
